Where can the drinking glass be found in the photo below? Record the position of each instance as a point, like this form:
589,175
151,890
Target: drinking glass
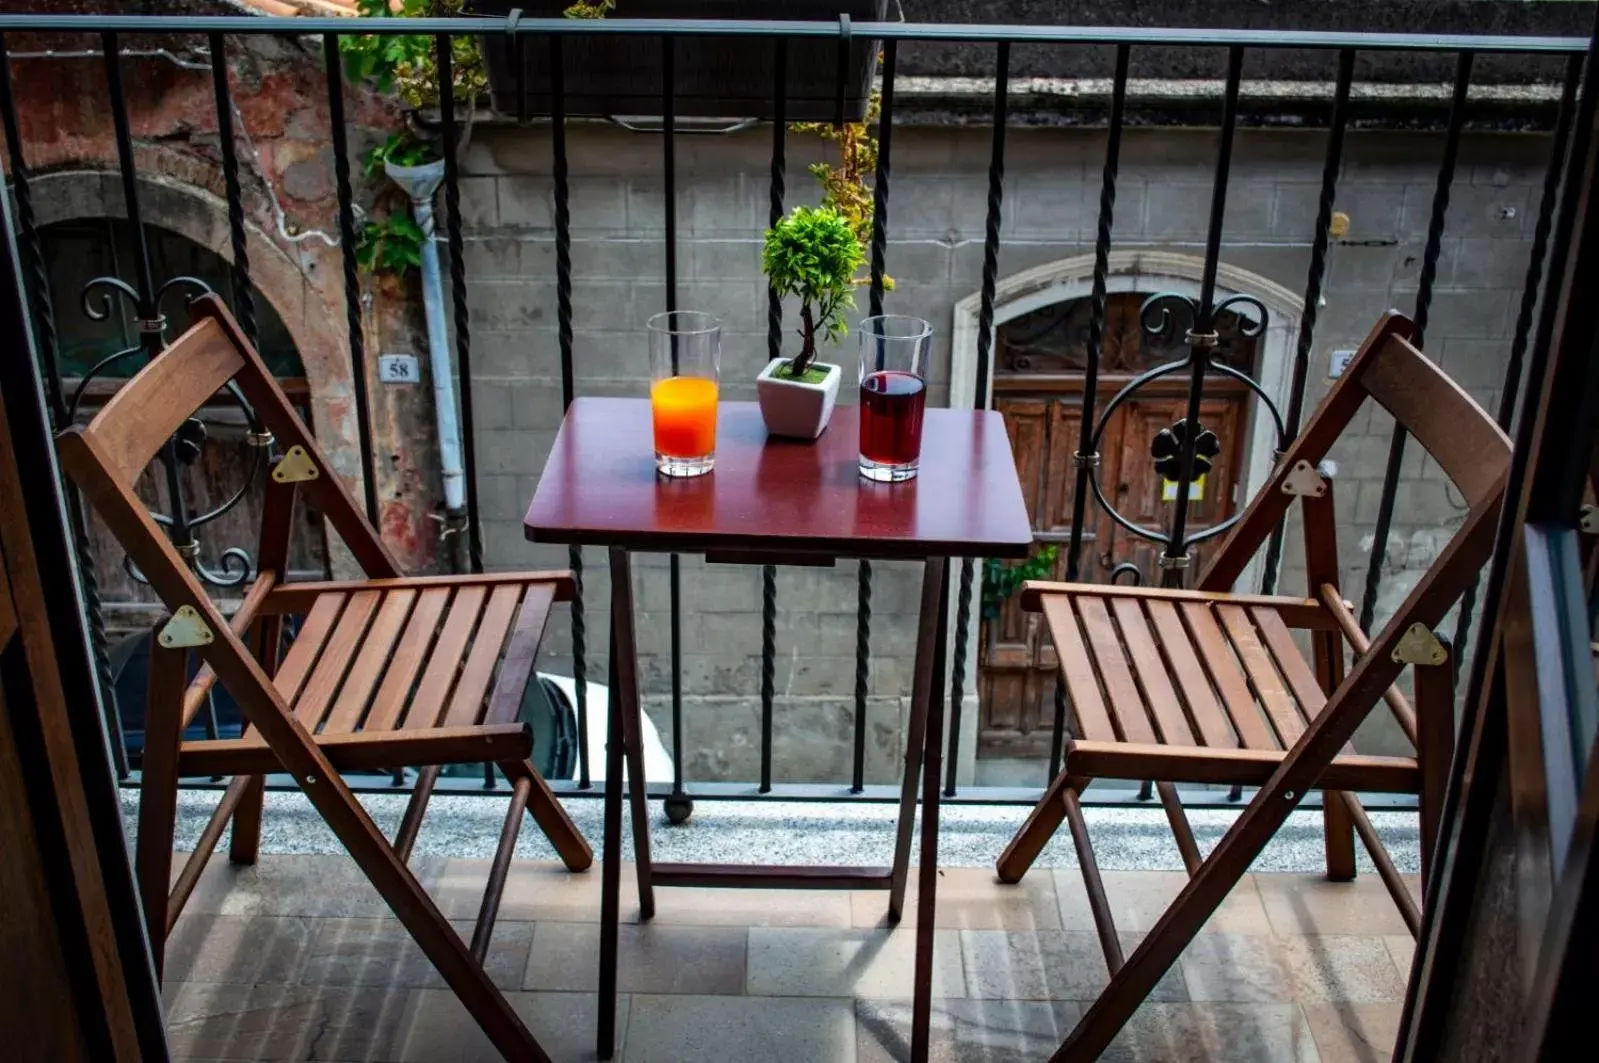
685,360
894,351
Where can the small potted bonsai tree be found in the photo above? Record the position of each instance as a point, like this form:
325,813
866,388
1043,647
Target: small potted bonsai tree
811,254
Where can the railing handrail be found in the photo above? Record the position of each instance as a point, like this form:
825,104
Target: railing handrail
1321,40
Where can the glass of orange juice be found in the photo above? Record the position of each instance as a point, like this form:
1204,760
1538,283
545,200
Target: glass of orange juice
685,360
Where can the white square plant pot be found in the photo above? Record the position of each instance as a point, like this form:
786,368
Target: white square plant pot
793,408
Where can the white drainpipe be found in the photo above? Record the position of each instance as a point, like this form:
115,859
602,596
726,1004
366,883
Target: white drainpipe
420,182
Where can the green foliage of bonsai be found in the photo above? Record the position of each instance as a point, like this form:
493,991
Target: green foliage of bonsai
813,254
598,9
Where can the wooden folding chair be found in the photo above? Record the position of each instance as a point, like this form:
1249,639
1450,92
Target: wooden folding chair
1206,686
385,672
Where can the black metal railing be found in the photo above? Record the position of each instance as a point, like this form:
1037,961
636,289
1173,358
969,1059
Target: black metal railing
1194,319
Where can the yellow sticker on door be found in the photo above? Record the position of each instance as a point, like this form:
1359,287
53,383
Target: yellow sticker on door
1168,490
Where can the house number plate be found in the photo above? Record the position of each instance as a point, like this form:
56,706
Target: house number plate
399,369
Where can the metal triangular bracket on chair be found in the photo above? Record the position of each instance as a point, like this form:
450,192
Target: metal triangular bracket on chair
185,629
1304,479
1418,645
295,467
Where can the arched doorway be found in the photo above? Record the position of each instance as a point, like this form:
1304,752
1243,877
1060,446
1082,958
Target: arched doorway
1037,383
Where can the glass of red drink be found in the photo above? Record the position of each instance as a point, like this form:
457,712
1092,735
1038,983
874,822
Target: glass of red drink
894,352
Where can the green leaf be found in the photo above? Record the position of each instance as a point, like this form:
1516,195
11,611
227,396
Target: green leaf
403,225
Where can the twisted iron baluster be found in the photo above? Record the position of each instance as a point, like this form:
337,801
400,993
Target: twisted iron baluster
1202,334
1085,457
774,303
563,331
1429,274
774,349
768,669
985,343
863,574
675,571
885,140
1320,239
352,280
243,298
863,671
1529,304
1057,734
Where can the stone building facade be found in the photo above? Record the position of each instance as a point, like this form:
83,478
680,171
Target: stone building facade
936,226
935,251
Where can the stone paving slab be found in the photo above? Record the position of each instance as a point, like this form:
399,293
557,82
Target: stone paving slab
279,973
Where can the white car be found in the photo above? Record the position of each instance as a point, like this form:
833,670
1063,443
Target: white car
550,707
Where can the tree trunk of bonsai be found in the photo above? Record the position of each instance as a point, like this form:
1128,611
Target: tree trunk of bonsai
807,354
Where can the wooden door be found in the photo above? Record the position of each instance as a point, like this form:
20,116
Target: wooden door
1039,391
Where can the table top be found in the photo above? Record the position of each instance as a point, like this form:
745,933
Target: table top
780,496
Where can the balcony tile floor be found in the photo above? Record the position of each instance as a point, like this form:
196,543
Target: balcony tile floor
296,959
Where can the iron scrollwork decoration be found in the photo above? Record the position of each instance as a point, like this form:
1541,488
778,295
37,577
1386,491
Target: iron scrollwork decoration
1167,450
1165,316
235,565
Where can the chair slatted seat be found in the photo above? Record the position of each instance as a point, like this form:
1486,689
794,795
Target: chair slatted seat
340,677
1212,692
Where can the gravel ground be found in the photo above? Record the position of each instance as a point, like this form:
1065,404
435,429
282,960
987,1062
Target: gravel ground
782,832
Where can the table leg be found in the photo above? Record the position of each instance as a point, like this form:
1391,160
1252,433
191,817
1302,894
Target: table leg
923,692
626,693
932,774
611,860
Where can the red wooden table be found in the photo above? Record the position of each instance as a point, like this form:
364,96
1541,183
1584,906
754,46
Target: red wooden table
778,502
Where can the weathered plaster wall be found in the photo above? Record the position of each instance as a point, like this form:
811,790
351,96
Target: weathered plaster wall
286,166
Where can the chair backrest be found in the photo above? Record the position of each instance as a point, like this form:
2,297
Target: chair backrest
104,459
106,456
1445,421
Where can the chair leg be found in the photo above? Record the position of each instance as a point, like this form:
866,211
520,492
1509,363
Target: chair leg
638,802
1131,984
1338,828
1181,832
245,843
551,817
1041,825
1093,884
158,789
1339,831
441,944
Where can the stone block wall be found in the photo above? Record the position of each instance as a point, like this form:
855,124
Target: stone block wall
938,202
